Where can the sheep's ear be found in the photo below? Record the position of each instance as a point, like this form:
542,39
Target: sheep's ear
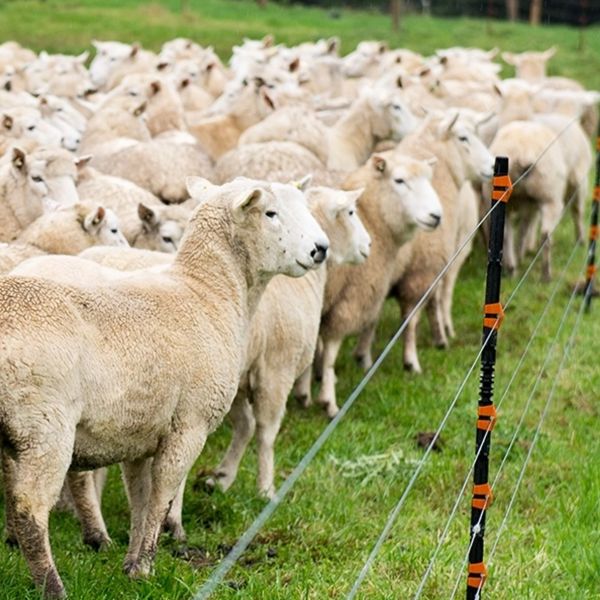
184,83
198,186
303,183
139,110
210,66
147,216
268,100
443,60
161,66
548,54
399,82
383,47
491,54
431,161
43,55
94,219
135,48
333,45
498,90
294,65
424,72
18,159
353,196
82,161
509,58
155,87
7,122
246,201
488,117
379,163
448,129
259,81
82,57
268,41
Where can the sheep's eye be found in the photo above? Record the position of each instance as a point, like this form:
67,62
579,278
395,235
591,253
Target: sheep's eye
270,214
112,59
167,240
399,181
397,107
31,128
463,138
36,178
350,212
59,109
114,231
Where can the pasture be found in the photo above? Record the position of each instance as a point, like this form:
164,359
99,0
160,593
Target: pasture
318,539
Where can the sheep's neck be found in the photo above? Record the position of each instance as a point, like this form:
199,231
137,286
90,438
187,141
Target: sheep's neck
354,132
18,206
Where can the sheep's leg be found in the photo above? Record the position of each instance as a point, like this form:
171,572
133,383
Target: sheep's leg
87,507
174,522
331,347
436,320
578,209
447,296
35,483
550,218
136,477
8,470
302,391
100,476
411,357
510,258
318,360
269,408
363,351
242,419
527,234
170,466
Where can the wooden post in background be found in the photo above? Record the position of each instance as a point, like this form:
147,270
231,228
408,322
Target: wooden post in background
395,6
535,12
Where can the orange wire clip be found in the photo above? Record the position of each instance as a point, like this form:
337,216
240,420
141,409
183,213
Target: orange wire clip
502,188
482,496
493,315
477,575
486,417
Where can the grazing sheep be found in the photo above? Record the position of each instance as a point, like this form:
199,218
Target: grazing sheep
116,402
29,183
398,199
66,230
283,337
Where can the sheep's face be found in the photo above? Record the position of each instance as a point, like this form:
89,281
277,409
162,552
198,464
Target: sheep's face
350,241
28,123
529,65
272,224
366,56
397,119
408,200
162,231
109,56
477,160
103,228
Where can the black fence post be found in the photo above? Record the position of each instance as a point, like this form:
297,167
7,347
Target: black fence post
594,231
486,412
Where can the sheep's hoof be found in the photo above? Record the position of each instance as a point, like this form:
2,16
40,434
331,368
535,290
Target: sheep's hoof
364,361
53,587
268,494
546,277
175,529
304,400
96,540
136,569
332,410
412,368
442,344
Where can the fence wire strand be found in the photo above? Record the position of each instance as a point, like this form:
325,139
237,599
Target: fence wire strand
244,541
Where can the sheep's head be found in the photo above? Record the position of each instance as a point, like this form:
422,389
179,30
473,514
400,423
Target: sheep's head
366,57
407,200
109,57
28,123
460,127
163,227
336,211
273,230
47,175
100,226
391,115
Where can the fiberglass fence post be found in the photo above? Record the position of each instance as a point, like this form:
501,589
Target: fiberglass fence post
486,412
591,267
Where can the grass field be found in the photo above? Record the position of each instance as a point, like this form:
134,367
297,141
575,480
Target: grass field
318,539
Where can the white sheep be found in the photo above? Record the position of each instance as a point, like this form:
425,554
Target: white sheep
116,402
398,200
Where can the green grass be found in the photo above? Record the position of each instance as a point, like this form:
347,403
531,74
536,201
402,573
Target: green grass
318,539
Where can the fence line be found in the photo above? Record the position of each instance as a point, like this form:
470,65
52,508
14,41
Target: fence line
394,513
541,422
242,544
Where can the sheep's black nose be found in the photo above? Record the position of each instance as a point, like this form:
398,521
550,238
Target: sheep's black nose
319,253
436,218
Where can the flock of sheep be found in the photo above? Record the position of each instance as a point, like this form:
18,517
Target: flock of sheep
187,240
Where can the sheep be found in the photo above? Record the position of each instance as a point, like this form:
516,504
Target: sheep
116,125
29,183
26,123
277,357
542,190
126,259
66,230
116,402
398,199
377,114
244,104
158,166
